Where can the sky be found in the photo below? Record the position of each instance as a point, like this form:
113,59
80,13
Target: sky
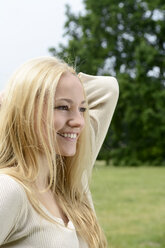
28,28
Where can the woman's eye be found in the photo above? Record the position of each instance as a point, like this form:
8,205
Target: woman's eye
64,107
82,109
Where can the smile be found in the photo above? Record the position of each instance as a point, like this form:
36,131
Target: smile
68,136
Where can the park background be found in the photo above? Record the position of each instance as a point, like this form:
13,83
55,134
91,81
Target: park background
125,39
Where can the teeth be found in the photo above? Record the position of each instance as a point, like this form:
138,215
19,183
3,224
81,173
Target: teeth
69,135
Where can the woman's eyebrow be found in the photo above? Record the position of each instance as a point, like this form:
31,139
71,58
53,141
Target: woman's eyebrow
68,100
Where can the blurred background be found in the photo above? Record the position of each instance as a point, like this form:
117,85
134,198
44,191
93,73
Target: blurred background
28,29
124,39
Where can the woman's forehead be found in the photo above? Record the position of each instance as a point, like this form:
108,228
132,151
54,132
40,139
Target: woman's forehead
69,86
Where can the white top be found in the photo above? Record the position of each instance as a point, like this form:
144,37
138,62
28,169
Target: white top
20,225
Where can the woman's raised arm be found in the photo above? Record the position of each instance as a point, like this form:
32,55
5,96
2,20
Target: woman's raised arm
102,95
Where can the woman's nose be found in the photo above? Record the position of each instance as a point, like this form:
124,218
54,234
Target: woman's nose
77,119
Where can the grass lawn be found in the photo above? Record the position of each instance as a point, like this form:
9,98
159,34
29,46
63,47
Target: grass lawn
130,205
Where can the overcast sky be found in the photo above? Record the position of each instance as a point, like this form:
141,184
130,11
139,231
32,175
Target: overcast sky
28,28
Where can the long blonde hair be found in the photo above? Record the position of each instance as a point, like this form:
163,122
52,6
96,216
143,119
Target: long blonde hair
31,85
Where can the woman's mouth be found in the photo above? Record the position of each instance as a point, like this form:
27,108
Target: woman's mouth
68,136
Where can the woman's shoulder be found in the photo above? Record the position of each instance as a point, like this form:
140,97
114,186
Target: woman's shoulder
9,181
11,190
13,207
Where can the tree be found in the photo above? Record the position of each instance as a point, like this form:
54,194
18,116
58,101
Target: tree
125,39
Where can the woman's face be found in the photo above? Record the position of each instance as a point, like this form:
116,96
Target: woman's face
69,108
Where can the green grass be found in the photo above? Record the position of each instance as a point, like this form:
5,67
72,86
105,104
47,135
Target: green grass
130,205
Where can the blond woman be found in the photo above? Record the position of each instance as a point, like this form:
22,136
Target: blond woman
53,123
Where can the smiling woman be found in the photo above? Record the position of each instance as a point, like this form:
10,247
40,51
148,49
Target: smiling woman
53,123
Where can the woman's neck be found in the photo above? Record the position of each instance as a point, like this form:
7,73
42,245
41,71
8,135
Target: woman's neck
43,173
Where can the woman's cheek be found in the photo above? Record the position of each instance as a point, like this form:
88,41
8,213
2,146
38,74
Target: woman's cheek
59,121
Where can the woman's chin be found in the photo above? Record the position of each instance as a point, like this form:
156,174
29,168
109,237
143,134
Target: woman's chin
67,153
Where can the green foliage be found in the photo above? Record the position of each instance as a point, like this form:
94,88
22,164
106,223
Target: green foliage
125,39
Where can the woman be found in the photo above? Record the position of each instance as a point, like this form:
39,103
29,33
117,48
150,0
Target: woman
53,123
